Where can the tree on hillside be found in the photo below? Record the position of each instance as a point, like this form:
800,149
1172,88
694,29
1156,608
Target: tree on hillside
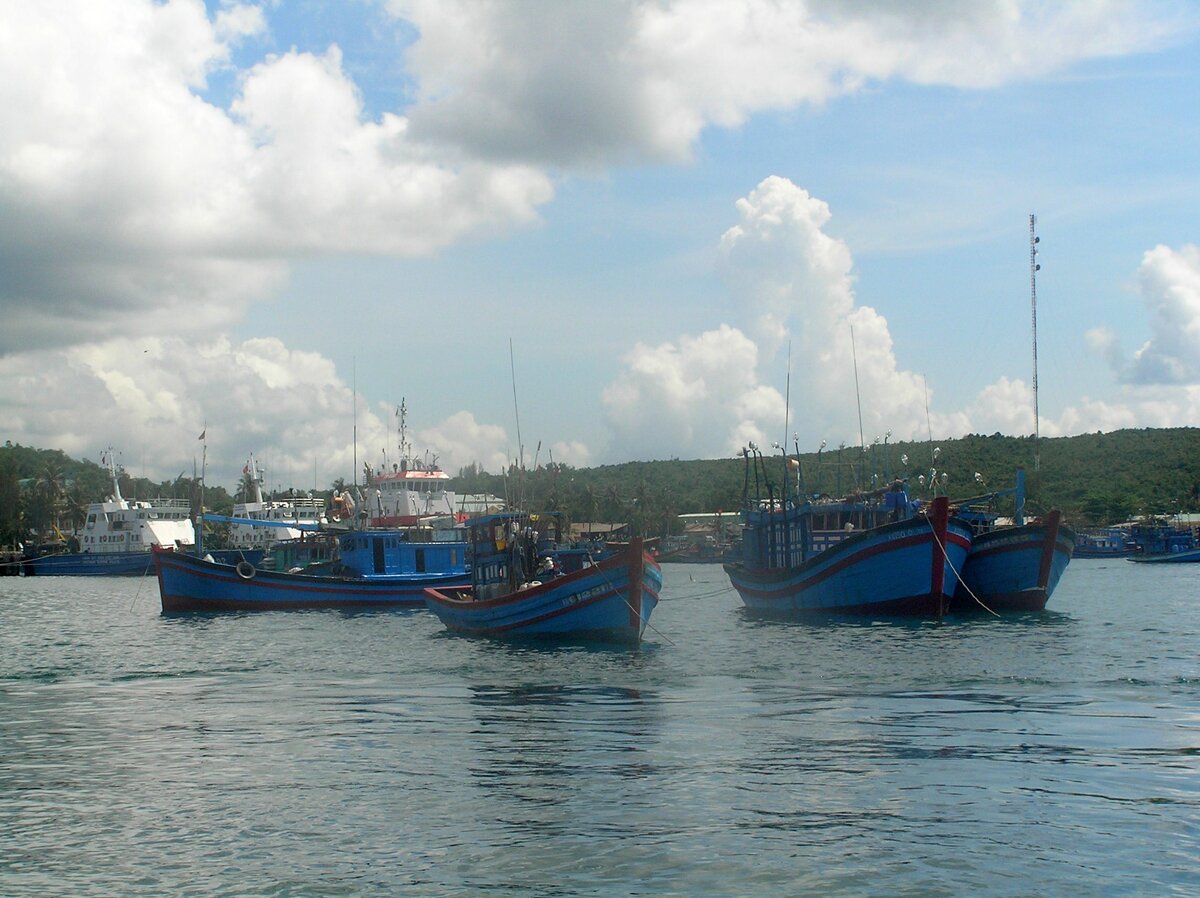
11,504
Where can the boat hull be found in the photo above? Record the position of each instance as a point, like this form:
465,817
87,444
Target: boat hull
610,601
188,584
91,564
903,569
1183,557
1015,568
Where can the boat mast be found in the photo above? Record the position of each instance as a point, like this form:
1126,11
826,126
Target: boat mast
862,442
110,462
402,427
354,405
1033,270
512,370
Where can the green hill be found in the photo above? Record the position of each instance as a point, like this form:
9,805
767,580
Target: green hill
1095,478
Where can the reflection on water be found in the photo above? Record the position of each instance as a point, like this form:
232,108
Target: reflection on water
331,753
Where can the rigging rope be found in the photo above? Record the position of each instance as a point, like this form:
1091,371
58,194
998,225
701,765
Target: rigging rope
956,574
612,586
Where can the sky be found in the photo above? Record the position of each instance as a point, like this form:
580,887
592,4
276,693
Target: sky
589,232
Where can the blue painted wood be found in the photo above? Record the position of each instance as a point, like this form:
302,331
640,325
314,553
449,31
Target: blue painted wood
905,567
520,591
1015,568
396,567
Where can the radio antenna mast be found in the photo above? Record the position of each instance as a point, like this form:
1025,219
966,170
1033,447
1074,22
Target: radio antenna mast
1033,270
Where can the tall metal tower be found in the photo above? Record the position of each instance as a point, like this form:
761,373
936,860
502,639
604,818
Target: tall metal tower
1033,270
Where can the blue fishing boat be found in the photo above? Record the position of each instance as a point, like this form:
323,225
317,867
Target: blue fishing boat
53,562
376,569
524,587
1011,566
1016,568
1159,542
875,553
1105,542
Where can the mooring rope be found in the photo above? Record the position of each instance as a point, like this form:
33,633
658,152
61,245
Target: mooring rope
612,586
961,582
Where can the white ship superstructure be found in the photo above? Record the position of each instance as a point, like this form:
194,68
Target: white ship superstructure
275,513
412,491
120,525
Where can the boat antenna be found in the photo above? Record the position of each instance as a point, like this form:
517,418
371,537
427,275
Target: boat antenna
862,443
512,368
354,390
402,431
928,424
203,475
1033,270
787,407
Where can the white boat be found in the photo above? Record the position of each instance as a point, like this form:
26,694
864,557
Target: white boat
119,534
275,514
411,492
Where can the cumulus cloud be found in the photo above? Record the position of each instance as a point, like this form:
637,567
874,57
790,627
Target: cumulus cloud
1170,287
794,287
583,84
694,398
130,204
460,440
1159,383
794,282
150,399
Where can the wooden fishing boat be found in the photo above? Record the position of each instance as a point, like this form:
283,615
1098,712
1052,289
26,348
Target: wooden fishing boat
521,588
1159,542
1105,542
1015,568
1011,566
377,569
872,554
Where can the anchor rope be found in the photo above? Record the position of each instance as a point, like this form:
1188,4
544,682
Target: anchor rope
613,587
961,582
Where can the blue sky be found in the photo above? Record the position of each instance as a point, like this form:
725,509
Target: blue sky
237,216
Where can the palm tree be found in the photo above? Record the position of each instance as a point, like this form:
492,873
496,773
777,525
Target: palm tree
76,504
614,505
48,495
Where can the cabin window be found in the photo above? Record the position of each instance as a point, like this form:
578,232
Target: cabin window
420,561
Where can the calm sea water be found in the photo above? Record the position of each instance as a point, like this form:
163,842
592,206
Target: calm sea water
329,754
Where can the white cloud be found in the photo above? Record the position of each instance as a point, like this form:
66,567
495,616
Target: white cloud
461,440
585,84
240,20
795,286
1170,286
573,453
697,398
1134,406
150,399
710,395
129,204
1005,407
793,283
